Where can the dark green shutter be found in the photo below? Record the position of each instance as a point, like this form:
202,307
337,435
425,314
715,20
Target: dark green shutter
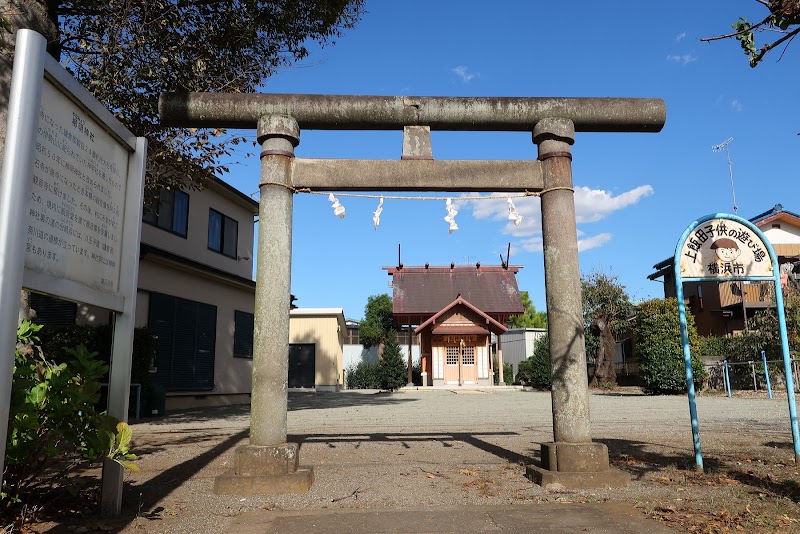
243,334
206,337
186,332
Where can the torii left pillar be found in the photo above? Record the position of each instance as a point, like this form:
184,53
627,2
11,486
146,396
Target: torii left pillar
268,464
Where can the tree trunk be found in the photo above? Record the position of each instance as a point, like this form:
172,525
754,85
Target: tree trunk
605,372
22,14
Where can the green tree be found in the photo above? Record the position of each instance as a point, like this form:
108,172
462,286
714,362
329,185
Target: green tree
606,310
659,349
126,53
537,369
378,321
530,318
392,370
783,20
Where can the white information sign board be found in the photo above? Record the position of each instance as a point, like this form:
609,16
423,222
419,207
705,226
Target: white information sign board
70,218
723,248
77,198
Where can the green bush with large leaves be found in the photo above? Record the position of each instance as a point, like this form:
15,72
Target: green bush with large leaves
54,424
659,348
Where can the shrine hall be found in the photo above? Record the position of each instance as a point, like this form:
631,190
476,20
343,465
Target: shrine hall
456,309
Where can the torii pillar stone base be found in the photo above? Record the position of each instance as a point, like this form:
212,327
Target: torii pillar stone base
576,466
260,470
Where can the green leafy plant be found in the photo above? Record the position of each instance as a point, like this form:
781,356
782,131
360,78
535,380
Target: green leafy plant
659,348
119,446
98,339
54,424
363,376
508,372
536,370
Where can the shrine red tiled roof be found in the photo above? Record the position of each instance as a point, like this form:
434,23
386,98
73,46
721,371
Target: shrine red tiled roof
426,290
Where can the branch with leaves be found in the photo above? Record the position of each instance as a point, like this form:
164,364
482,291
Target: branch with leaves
783,18
127,53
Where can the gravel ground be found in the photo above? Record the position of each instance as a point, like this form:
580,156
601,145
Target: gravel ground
442,448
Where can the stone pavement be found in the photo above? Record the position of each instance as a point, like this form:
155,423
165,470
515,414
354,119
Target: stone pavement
611,518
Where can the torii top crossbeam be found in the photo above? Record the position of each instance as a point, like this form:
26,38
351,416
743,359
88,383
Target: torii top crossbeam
356,112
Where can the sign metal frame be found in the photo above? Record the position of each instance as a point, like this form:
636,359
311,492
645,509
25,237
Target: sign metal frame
687,357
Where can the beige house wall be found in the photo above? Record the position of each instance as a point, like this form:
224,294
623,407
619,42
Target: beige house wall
195,245
326,330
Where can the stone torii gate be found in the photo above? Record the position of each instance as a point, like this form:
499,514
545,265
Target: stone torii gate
269,464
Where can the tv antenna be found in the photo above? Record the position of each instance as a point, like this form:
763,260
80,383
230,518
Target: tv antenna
719,148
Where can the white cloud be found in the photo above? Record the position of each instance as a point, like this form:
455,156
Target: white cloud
535,244
593,242
680,36
591,205
685,59
462,72
736,105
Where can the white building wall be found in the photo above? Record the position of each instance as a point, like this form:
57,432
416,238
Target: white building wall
517,345
785,235
355,354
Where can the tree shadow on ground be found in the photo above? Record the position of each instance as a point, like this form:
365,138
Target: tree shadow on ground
786,488
779,444
196,415
638,459
641,457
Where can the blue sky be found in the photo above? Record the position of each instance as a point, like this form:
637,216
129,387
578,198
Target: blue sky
635,193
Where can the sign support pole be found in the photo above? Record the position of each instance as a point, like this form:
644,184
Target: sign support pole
23,119
787,367
687,362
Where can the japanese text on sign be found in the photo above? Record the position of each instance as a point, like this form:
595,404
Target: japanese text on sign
78,194
724,248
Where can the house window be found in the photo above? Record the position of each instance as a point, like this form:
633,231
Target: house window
185,333
170,212
223,233
243,334
352,336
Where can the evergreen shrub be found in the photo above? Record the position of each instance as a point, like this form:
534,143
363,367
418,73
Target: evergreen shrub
659,349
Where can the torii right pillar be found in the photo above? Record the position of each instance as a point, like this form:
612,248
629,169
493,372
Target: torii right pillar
572,459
